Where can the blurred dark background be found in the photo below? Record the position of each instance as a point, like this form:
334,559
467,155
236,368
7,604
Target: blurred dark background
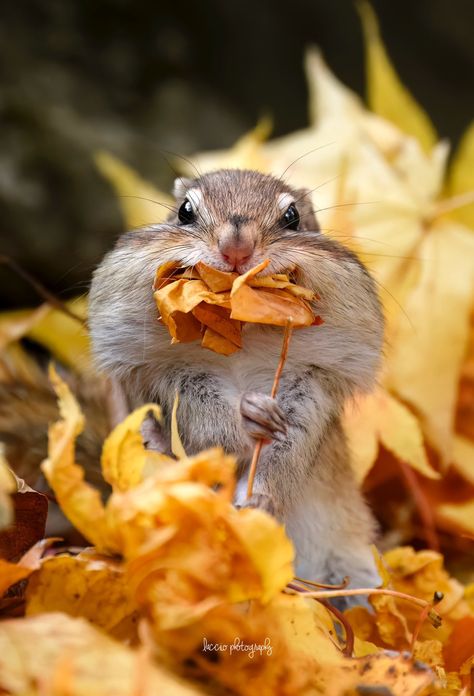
142,77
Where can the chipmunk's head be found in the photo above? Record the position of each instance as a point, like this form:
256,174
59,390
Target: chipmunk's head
232,219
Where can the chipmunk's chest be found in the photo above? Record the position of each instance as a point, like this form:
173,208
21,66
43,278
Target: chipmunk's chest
250,369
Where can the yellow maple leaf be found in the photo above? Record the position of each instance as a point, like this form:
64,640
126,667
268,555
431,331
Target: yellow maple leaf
65,337
16,324
56,654
380,418
86,585
246,153
425,360
458,516
463,457
388,97
141,203
461,179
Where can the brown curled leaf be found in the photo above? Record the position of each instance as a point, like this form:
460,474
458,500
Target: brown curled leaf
218,320
219,344
204,302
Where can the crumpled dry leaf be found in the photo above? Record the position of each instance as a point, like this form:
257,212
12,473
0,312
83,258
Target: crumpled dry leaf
124,458
80,502
430,652
87,585
177,502
11,573
56,654
460,647
215,554
419,574
211,303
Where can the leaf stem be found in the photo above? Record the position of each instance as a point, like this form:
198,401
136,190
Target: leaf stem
322,585
276,381
448,205
422,504
330,594
40,289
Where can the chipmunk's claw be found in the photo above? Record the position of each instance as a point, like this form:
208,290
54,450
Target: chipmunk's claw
260,501
262,418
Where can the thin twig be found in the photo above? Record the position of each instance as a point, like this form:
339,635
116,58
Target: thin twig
449,204
323,585
39,288
424,614
422,505
276,381
419,624
330,594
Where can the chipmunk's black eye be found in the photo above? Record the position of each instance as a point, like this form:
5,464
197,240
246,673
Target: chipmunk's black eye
291,218
186,213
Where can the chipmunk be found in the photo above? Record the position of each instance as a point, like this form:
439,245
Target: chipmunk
232,220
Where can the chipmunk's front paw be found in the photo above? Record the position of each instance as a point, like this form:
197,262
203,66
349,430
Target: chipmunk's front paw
260,501
155,437
263,419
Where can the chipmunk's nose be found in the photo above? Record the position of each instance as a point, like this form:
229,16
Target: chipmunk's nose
236,252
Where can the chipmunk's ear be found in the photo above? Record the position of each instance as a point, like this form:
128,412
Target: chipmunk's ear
181,186
305,208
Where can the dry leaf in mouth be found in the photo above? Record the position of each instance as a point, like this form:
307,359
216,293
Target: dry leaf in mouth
203,302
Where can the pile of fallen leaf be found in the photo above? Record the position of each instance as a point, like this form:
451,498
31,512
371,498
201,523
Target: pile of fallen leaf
181,587
178,592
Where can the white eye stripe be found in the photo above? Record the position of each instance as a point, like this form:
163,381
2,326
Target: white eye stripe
284,201
194,196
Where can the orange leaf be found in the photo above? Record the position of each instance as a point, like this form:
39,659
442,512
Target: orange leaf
264,307
217,300
218,281
11,573
461,644
184,328
218,343
218,319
